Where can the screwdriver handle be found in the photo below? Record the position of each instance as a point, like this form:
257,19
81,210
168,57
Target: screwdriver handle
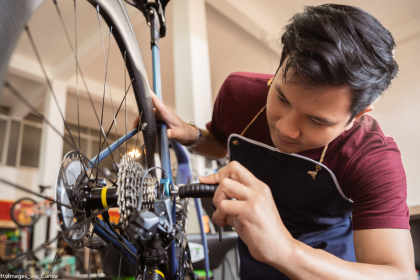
197,190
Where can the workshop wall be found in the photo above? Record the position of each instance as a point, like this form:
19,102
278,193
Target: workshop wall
399,115
233,49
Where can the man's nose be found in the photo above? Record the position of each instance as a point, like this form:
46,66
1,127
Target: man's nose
288,126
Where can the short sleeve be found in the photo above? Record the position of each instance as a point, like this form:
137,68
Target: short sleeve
240,98
376,183
215,125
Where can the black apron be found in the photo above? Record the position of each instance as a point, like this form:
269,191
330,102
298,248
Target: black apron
315,211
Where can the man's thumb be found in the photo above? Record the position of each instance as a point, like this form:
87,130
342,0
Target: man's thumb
169,133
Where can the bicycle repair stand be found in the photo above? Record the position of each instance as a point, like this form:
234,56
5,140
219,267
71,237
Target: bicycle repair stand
154,12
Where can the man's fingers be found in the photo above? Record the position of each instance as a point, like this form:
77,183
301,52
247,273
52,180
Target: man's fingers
234,171
156,101
229,188
228,208
209,179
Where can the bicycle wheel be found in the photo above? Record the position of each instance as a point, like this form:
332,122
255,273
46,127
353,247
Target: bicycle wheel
14,16
22,213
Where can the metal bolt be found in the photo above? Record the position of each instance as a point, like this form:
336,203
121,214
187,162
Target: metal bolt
143,126
162,213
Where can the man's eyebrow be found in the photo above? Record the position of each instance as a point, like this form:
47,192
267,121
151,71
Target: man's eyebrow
319,119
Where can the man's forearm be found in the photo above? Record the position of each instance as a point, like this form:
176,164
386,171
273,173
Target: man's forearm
209,146
305,262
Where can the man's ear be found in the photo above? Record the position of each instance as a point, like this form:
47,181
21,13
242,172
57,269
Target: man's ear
359,115
364,111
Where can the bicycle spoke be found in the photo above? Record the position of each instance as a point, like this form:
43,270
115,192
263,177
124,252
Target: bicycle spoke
58,251
39,195
106,256
15,92
137,138
119,268
89,263
106,73
56,257
110,243
116,115
77,72
113,249
125,100
109,88
104,260
81,73
50,86
94,262
48,80
100,135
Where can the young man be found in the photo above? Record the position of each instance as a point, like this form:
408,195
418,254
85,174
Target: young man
321,191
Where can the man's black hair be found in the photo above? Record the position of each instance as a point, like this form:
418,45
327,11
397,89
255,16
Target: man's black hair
336,45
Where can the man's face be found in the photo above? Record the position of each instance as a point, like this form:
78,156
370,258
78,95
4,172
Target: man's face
302,118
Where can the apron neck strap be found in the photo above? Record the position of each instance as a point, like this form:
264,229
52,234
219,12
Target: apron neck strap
259,113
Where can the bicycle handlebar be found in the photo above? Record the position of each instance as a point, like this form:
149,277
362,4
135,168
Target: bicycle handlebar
196,190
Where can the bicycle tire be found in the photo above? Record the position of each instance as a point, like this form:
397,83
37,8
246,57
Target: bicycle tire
13,211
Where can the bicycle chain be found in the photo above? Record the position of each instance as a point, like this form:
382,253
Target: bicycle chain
130,175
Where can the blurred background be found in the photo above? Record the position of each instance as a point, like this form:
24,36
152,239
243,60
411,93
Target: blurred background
206,41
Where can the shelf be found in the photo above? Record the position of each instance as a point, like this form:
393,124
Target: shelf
4,258
7,224
414,210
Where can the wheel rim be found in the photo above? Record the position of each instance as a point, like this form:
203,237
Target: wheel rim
22,212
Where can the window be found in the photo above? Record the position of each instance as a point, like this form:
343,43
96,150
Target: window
3,126
31,145
20,140
13,143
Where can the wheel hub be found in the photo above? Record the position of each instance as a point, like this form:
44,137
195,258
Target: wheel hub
72,176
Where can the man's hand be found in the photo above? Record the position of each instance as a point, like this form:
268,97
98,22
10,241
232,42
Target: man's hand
185,134
254,214
381,253
178,130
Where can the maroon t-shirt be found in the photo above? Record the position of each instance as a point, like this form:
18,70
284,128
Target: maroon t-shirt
367,163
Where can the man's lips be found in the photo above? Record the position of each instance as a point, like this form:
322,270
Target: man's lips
284,141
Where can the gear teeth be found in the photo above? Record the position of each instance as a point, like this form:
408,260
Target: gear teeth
129,179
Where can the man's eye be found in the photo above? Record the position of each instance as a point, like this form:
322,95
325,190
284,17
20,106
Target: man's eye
281,99
315,122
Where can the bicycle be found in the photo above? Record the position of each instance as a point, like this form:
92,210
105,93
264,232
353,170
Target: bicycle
151,233
25,212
